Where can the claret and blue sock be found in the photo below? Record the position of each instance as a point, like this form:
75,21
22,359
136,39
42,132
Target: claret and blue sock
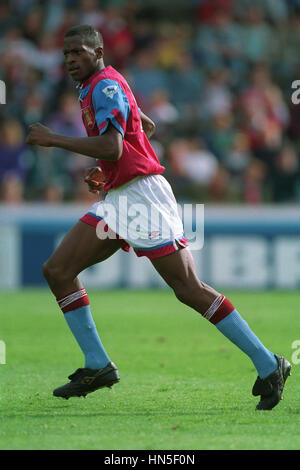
228,321
221,313
76,309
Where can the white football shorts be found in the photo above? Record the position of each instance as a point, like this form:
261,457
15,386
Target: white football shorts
141,214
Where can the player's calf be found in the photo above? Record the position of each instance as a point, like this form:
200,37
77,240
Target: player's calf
194,293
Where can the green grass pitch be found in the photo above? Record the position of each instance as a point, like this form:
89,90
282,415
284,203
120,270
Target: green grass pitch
183,385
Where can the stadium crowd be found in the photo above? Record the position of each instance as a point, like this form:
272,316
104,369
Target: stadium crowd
214,75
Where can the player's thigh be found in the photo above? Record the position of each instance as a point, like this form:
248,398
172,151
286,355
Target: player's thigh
178,266
81,248
179,272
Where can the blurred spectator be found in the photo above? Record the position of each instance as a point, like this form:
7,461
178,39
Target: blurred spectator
265,114
258,39
54,13
12,150
216,95
275,10
285,180
162,112
90,13
118,38
184,85
289,38
53,194
143,33
219,43
220,186
254,177
146,77
207,9
66,119
6,19
199,165
68,19
33,108
237,161
238,156
217,83
32,24
12,189
192,164
49,58
171,44
220,134
294,124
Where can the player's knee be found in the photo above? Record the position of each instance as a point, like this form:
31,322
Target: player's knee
191,292
54,274
47,271
183,292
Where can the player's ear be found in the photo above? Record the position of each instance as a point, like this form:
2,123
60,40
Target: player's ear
99,52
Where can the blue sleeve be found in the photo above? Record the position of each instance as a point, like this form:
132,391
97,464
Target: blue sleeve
111,105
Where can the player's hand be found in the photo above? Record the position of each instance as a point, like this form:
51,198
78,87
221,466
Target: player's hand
95,179
39,135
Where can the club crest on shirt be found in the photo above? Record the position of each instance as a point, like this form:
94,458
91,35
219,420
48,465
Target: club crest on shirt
110,91
88,117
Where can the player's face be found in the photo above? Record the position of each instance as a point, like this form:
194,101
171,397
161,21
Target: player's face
80,59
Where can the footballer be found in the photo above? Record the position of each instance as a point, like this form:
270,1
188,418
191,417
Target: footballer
118,134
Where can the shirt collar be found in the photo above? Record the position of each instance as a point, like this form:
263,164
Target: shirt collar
86,82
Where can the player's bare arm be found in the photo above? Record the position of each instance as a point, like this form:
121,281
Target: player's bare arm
148,125
108,146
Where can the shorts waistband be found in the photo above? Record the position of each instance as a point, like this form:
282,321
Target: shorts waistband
125,185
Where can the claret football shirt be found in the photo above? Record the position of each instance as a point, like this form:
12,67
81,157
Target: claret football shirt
106,97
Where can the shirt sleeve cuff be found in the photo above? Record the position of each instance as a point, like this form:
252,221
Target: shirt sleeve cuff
102,127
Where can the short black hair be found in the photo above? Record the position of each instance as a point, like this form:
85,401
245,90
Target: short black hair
88,34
